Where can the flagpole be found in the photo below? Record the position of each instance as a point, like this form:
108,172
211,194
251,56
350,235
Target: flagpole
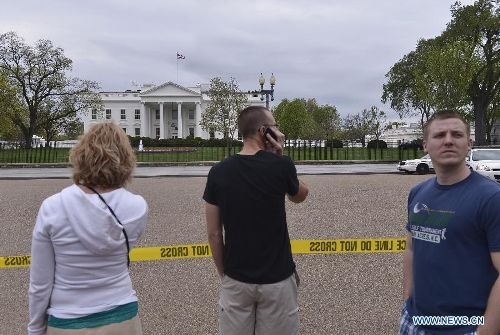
177,57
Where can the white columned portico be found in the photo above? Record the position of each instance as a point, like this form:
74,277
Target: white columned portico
162,123
144,122
179,120
198,119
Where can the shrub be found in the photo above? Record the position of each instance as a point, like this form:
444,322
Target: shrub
415,144
373,144
182,142
334,144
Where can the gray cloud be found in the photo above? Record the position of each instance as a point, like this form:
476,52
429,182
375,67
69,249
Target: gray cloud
337,52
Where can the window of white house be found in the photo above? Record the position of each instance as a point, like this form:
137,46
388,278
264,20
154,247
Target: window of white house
191,115
191,131
124,130
239,136
108,114
157,133
137,114
212,133
94,114
123,115
137,131
157,114
174,115
174,136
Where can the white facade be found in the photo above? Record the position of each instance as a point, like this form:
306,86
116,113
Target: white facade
166,111
402,134
406,133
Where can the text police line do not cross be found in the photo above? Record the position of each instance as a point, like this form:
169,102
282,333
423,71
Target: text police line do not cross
330,246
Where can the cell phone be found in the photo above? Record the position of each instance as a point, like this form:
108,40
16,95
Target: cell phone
270,132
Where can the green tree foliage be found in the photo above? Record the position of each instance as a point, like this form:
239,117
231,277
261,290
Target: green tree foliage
478,26
353,128
294,119
369,122
221,114
8,106
459,69
406,88
375,121
279,110
328,120
448,76
39,75
305,119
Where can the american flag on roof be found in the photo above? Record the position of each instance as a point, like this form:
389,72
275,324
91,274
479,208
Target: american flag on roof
179,56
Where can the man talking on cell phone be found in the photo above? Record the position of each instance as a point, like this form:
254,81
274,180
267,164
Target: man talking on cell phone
245,198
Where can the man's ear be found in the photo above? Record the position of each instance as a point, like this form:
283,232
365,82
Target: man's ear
424,146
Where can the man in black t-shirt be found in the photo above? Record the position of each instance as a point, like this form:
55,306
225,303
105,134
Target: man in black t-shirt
245,198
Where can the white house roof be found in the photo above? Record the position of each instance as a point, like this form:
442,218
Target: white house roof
169,89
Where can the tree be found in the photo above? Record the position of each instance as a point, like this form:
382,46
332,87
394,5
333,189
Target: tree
39,75
492,115
221,114
8,105
57,117
478,25
368,122
448,76
328,120
375,121
406,87
279,110
293,118
68,127
354,128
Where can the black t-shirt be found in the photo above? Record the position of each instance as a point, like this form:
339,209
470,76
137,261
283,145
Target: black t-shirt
250,193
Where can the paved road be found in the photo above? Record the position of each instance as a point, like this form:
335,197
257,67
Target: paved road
354,293
196,171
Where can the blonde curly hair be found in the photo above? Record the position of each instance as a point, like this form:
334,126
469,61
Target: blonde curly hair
103,157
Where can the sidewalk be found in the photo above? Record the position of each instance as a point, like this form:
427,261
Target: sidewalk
38,171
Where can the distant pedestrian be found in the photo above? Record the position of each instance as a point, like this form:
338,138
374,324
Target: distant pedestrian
245,198
452,256
79,278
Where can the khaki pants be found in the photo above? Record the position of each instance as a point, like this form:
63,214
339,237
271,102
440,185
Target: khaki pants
128,327
261,309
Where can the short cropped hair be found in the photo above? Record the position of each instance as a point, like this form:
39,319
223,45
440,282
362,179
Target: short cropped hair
443,115
250,119
103,157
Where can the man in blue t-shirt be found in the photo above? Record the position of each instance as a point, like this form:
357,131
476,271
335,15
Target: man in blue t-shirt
245,199
452,257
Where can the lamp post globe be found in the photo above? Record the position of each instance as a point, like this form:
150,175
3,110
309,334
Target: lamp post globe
264,92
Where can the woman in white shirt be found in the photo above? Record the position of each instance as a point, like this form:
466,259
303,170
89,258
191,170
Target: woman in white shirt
79,278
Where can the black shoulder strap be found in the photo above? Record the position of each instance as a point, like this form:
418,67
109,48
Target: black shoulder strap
113,213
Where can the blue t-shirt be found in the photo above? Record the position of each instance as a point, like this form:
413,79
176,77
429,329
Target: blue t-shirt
454,229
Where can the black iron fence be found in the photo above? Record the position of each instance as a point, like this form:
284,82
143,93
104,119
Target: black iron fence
16,154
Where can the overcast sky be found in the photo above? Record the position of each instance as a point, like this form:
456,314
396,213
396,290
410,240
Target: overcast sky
336,51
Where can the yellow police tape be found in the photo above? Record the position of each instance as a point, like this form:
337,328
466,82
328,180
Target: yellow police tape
333,246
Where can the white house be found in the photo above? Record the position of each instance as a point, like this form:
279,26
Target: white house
406,133
165,111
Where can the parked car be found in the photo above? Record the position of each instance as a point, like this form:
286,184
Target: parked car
486,161
421,166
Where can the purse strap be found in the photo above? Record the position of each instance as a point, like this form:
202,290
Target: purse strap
113,213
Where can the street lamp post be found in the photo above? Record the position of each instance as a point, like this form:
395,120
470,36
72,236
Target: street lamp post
267,93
